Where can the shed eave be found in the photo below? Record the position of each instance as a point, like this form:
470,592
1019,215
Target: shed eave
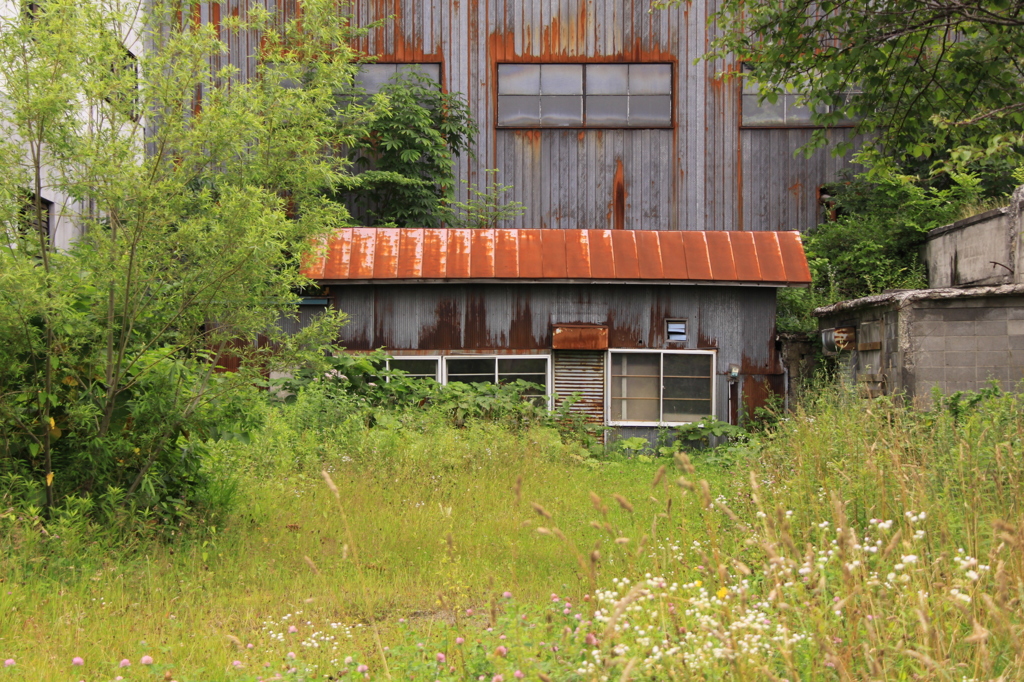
495,280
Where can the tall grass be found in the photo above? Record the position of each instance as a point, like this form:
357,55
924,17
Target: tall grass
861,541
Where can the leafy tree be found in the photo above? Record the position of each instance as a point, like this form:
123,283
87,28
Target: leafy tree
937,82
197,194
406,155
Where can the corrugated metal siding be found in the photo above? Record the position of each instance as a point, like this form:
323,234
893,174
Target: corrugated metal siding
582,372
738,321
705,174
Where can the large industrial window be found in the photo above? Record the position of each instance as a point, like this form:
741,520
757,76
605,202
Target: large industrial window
660,387
786,112
584,95
372,77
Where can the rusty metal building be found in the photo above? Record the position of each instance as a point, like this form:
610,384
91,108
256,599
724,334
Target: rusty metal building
662,206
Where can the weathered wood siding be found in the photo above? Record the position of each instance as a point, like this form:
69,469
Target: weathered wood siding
705,173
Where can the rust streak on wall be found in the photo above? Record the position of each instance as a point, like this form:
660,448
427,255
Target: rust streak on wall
618,203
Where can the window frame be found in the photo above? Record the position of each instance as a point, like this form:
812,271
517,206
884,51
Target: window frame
435,358
809,125
439,64
661,396
673,87
501,356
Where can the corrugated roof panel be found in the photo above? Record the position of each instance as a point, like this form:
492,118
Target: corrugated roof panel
745,255
577,254
602,254
648,253
553,254
673,255
769,256
723,266
793,258
458,253
385,258
481,256
363,253
364,243
410,254
531,263
624,248
506,254
698,264
435,254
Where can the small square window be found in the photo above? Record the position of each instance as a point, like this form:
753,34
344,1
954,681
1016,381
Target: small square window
675,330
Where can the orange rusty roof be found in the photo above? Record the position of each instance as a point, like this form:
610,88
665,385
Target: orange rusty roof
394,254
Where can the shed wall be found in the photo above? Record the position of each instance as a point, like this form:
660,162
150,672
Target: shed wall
738,321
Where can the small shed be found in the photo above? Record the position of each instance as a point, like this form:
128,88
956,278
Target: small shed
963,332
649,328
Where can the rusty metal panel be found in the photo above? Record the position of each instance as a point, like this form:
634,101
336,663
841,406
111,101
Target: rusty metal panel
769,257
745,254
385,259
410,254
582,373
723,266
775,258
579,337
577,254
553,254
435,254
531,257
698,262
649,256
673,255
793,259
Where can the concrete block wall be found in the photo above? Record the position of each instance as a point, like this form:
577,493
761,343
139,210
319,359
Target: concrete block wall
960,345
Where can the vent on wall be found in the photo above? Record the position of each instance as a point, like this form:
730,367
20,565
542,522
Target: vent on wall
582,372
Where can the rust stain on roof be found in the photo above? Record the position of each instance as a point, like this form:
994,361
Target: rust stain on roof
390,254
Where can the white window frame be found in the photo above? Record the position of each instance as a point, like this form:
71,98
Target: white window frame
661,398
497,356
436,358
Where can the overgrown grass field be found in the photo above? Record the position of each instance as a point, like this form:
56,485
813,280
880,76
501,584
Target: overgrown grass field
852,541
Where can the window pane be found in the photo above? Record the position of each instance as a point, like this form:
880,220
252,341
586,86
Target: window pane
635,387
607,110
372,76
561,79
794,113
650,79
687,365
607,79
650,110
634,410
522,365
431,71
471,378
532,378
693,389
419,368
765,114
470,366
561,111
518,79
676,411
644,364
518,110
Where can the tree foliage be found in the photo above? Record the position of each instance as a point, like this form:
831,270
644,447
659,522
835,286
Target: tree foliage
197,194
936,81
405,157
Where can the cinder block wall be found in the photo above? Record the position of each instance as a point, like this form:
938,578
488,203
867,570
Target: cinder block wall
961,345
